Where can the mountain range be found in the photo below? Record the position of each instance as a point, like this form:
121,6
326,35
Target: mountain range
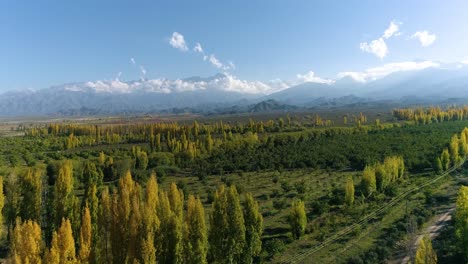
225,94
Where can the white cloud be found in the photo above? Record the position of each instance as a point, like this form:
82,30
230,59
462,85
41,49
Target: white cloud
311,77
464,62
218,64
224,82
392,30
143,70
118,76
177,41
132,60
425,38
382,71
215,62
198,48
377,47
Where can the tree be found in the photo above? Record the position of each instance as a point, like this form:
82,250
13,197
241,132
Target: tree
454,149
105,227
461,220
196,239
445,159
63,193
62,248
349,191
368,180
141,160
227,229
253,229
31,189
85,236
12,200
2,199
425,254
438,165
26,243
297,219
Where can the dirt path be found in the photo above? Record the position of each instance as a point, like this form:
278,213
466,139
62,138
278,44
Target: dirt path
433,231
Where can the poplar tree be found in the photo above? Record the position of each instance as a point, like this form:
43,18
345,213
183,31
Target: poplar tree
196,240
454,149
253,229
63,193
105,227
62,248
297,219
2,199
461,220
26,243
425,254
349,191
31,189
86,244
445,159
368,180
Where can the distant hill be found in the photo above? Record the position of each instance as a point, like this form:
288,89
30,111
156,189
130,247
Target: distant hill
223,93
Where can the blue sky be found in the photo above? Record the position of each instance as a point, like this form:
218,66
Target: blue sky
45,43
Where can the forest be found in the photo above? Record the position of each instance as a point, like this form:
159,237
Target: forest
239,191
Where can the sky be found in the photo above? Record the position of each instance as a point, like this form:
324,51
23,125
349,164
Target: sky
46,43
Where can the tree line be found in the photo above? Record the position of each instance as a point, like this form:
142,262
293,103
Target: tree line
127,223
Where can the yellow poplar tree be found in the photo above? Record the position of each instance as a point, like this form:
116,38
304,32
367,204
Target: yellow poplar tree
26,243
85,236
461,219
425,254
196,240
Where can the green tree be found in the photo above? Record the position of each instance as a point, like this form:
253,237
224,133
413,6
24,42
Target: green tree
31,189
425,254
63,193
445,159
461,220
438,165
454,149
196,239
253,229
349,191
227,228
369,180
297,219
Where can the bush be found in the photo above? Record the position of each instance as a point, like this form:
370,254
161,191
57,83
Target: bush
161,159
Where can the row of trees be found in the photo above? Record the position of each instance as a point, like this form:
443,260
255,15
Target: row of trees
128,223
379,176
431,114
457,149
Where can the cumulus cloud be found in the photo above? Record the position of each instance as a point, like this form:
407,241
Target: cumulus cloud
382,71
177,41
392,30
311,77
425,38
377,47
215,62
225,82
198,48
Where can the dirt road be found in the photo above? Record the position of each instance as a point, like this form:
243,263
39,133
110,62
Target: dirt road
433,231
